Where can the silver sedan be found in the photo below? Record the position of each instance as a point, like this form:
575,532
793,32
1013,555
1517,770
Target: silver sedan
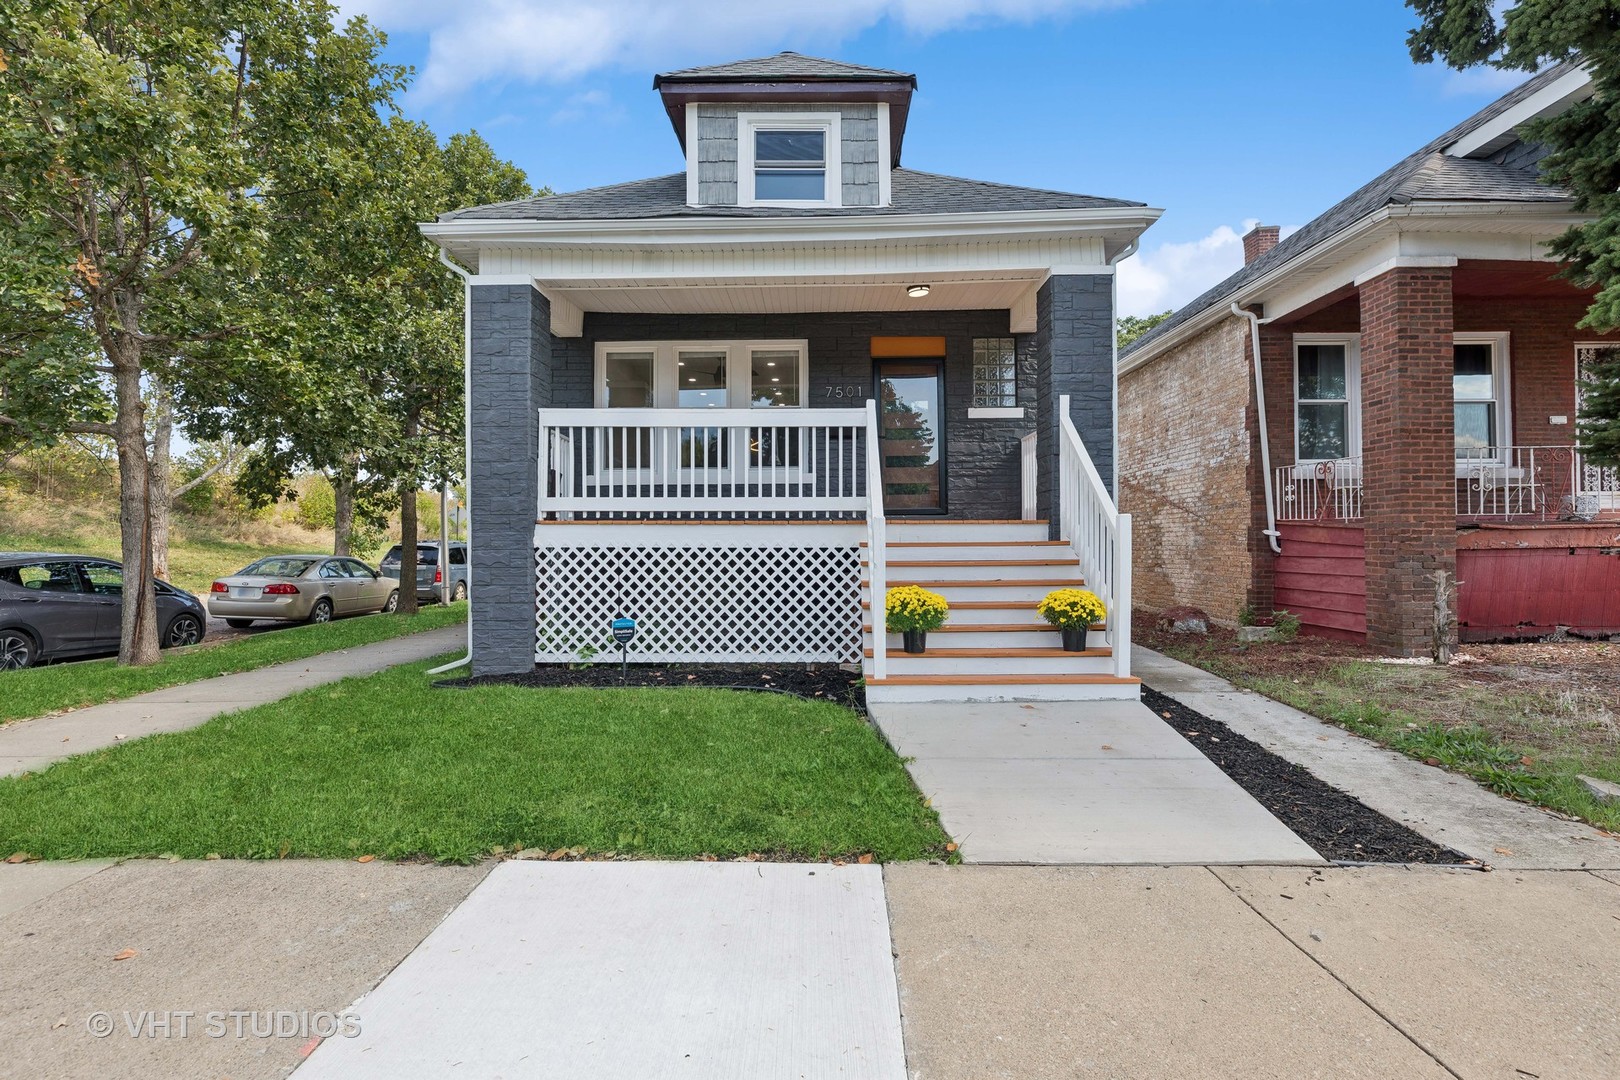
301,588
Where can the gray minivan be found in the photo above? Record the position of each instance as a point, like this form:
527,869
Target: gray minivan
430,577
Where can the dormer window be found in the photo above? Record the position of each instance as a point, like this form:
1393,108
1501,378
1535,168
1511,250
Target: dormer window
788,159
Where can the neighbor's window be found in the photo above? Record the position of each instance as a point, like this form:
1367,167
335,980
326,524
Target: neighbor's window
1478,392
995,373
1325,396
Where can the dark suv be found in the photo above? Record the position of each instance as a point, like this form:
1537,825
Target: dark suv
54,607
430,576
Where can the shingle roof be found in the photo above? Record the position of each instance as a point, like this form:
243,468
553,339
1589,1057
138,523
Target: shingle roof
784,66
912,192
1427,174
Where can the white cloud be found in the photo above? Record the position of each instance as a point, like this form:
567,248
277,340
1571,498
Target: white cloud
1167,276
478,41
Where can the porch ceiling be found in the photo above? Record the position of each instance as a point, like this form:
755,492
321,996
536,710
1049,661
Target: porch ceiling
982,290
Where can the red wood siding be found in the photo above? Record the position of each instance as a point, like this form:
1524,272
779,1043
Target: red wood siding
1321,576
1522,581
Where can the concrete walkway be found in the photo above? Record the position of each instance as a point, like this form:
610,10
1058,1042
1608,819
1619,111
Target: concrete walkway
30,745
608,970
1079,782
1222,972
1443,806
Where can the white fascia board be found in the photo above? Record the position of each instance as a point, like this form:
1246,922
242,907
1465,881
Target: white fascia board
567,317
1387,233
1126,222
1550,100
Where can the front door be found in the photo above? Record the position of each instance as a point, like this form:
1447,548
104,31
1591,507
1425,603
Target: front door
911,434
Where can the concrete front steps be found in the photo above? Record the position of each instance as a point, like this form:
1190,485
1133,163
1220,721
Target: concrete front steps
995,647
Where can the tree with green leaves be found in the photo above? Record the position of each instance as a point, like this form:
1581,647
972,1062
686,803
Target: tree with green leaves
139,141
1583,143
1132,327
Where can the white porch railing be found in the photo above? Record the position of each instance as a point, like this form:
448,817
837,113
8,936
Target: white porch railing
1099,534
877,546
717,463
1508,484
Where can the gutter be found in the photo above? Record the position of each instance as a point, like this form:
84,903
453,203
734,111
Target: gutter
466,418
1271,534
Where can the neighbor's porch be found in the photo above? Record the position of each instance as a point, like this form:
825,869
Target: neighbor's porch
1424,422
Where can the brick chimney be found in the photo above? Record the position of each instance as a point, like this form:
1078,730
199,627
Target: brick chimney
1259,240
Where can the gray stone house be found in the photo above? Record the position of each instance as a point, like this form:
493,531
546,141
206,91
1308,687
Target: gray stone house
739,401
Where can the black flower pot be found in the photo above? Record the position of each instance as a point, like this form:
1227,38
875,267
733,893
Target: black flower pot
916,641
1074,640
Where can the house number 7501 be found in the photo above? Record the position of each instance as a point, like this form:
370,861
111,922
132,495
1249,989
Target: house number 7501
846,391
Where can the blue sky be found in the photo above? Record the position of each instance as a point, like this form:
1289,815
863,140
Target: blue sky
1219,112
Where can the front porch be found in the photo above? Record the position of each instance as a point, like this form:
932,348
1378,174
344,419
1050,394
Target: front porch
741,536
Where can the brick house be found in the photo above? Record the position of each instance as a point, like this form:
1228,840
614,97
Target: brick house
1414,410
738,401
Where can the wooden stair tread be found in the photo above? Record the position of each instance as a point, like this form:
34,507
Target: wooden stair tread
972,543
1012,680
894,519
984,605
997,583
1032,652
988,628
978,562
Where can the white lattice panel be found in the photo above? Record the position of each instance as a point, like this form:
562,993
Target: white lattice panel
708,603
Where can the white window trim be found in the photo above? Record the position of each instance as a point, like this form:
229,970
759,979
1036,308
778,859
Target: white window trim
1502,377
996,412
830,123
666,385
1352,379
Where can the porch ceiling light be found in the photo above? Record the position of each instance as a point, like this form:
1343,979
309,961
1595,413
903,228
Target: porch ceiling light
917,292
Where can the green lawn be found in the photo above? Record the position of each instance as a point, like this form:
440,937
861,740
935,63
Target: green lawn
38,691
387,765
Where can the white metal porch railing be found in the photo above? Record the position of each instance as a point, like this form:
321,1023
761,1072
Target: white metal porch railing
1508,484
1099,534
717,463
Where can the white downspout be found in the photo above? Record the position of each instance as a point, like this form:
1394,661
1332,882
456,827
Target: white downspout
466,419
1255,322
1113,342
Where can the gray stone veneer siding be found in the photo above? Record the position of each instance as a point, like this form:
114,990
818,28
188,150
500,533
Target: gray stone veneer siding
982,464
511,380
1074,355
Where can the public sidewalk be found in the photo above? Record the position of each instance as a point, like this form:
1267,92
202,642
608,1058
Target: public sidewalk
1443,806
30,745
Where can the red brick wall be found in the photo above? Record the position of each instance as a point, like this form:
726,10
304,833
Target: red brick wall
1409,498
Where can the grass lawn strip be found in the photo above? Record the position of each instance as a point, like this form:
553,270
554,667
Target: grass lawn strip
1522,720
388,766
39,691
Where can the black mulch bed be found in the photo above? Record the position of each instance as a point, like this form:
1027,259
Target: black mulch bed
1339,827
822,682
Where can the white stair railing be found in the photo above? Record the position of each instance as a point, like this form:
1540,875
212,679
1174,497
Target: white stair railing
1099,534
877,540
